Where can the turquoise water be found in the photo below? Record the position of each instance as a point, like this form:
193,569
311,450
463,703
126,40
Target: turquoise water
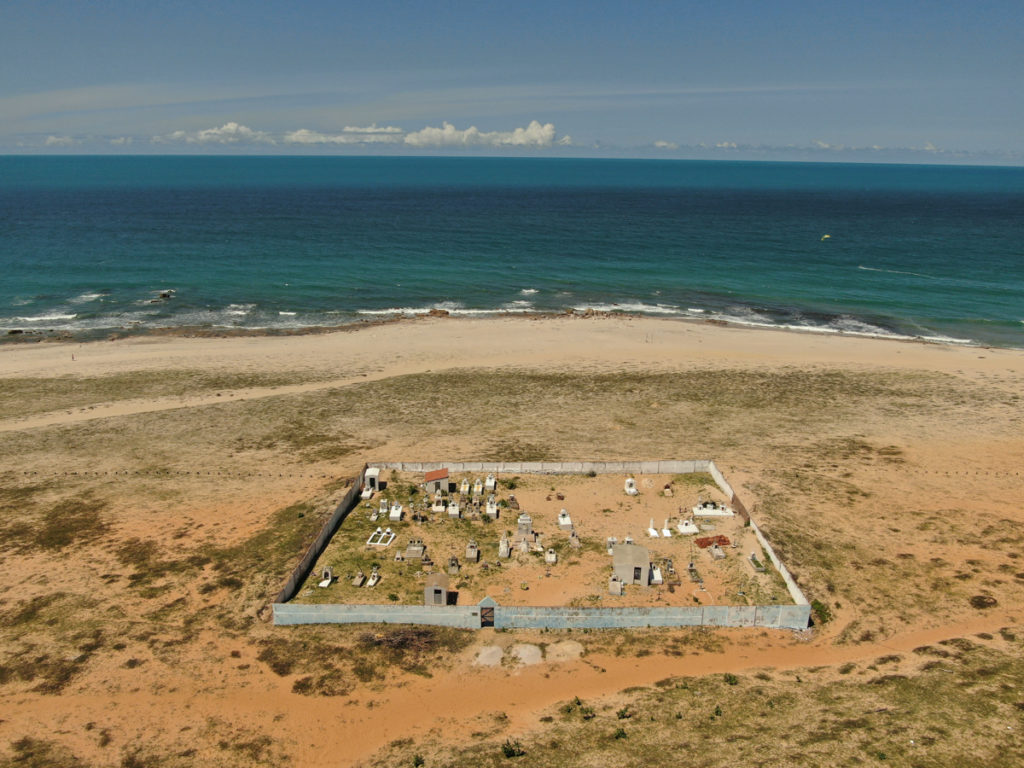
89,244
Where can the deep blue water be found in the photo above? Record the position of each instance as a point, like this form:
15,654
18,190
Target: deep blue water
87,244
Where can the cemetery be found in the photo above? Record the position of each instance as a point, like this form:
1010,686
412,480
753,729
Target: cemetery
446,537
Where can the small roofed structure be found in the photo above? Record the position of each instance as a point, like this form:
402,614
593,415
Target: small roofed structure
436,480
630,487
435,590
371,482
632,564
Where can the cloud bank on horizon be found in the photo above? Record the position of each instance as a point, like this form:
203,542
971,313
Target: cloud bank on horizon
535,136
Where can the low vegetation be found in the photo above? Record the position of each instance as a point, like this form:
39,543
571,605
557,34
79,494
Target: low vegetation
963,710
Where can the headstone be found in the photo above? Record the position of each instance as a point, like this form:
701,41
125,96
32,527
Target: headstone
614,585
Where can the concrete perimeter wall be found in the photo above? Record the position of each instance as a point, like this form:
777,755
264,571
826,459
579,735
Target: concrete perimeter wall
519,617
794,590
466,617
673,467
301,571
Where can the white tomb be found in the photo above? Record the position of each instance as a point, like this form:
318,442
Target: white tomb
687,527
564,521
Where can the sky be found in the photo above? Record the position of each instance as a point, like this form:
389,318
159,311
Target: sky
899,81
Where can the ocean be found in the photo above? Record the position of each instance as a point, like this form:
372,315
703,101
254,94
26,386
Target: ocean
95,245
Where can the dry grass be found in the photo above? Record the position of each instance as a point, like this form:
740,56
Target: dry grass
962,710
140,582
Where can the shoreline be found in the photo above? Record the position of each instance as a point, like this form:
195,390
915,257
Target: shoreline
560,343
19,337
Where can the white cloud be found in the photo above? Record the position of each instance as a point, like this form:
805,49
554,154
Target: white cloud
372,129
229,133
60,141
533,135
726,145
348,136
666,145
121,141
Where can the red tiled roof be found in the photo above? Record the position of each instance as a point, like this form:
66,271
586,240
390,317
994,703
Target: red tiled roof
437,474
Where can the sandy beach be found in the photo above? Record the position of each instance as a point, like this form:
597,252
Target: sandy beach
156,490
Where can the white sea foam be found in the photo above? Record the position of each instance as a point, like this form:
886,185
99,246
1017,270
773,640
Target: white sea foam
85,297
239,309
518,306
631,307
696,311
528,291
287,314
43,318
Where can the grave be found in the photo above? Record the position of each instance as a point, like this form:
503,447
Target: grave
415,550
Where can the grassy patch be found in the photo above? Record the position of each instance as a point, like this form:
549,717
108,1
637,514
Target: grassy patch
330,662
926,717
71,521
21,396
